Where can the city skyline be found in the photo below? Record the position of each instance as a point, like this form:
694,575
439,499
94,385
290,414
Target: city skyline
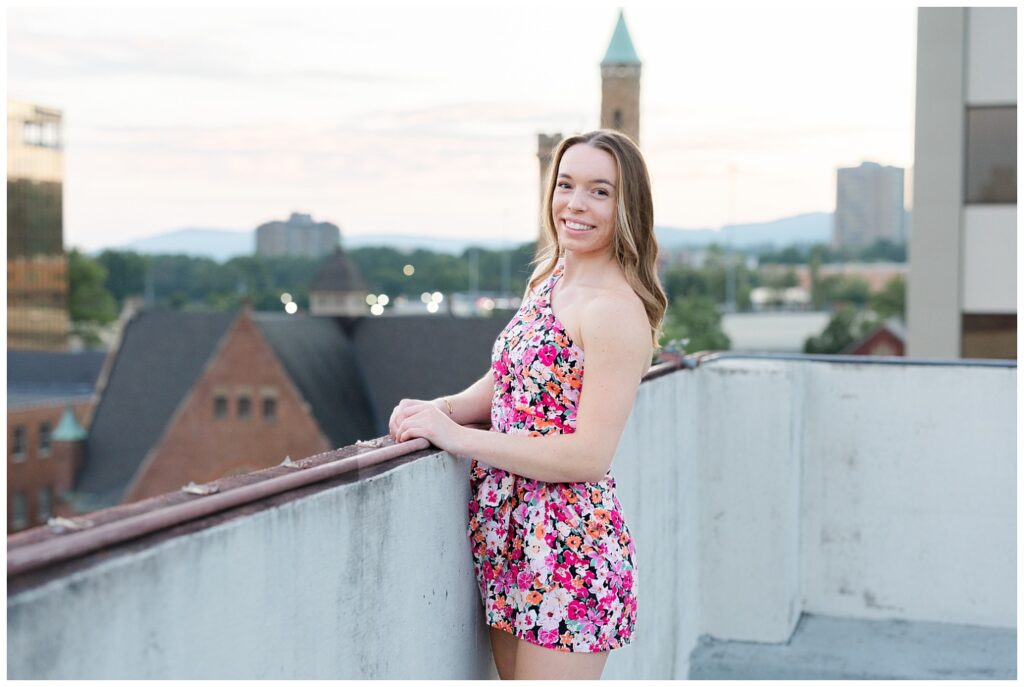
377,125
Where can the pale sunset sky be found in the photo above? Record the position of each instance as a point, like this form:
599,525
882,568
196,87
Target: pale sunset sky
424,120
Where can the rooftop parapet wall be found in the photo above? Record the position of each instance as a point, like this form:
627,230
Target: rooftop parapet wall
755,488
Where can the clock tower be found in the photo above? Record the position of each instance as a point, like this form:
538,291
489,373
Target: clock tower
620,104
620,84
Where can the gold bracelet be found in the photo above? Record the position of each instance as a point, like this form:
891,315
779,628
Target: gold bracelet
449,404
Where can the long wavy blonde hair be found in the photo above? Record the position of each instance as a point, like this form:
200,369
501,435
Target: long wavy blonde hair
634,244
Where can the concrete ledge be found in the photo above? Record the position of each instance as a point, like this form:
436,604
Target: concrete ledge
756,490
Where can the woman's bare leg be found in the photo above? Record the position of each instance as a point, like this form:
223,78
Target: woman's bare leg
503,646
537,663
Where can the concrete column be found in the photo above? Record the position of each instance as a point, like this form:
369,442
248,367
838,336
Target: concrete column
933,286
749,477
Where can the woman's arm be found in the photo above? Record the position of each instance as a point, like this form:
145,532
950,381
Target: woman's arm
617,333
472,405
469,406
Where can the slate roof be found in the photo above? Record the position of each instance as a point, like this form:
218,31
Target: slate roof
351,382
54,368
44,377
160,358
423,356
322,363
338,273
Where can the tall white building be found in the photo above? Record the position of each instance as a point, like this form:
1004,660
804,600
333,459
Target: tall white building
962,290
869,206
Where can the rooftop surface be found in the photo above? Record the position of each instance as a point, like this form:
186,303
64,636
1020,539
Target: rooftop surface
828,648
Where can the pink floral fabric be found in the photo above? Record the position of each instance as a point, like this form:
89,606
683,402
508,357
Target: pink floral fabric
554,561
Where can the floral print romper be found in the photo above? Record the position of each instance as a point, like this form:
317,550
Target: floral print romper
554,561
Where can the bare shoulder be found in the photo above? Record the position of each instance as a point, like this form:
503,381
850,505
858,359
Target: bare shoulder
616,304
617,321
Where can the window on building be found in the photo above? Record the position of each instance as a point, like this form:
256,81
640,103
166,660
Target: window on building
991,159
244,407
46,134
18,444
44,505
19,510
220,407
617,119
32,133
50,135
988,336
269,408
44,439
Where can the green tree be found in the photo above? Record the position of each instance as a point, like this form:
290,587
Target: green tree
126,273
855,290
891,300
837,289
817,257
790,255
778,279
884,250
90,304
846,326
697,319
184,282
687,282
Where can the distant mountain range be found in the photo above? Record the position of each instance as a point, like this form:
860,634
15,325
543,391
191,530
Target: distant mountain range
813,227
222,244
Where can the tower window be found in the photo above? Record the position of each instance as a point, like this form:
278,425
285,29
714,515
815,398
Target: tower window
244,407
44,439
18,444
269,408
617,119
19,510
44,505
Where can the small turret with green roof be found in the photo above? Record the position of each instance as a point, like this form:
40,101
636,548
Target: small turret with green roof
68,428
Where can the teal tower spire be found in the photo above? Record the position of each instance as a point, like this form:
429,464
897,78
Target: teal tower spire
620,83
620,50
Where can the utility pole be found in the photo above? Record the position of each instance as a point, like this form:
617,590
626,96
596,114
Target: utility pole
730,275
506,272
474,270
149,300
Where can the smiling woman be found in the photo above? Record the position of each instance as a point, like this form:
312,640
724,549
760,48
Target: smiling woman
554,559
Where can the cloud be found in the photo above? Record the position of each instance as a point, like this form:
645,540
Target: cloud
41,56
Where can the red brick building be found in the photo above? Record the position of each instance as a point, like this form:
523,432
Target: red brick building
192,397
43,387
887,339
40,469
243,413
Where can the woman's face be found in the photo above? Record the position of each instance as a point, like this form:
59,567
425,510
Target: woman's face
583,204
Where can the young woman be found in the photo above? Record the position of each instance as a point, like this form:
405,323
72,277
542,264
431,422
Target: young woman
552,554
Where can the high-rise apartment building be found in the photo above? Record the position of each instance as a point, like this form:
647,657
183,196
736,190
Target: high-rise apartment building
869,206
299,236
962,292
37,273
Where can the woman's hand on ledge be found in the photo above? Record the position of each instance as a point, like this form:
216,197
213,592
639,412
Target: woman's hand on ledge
414,418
